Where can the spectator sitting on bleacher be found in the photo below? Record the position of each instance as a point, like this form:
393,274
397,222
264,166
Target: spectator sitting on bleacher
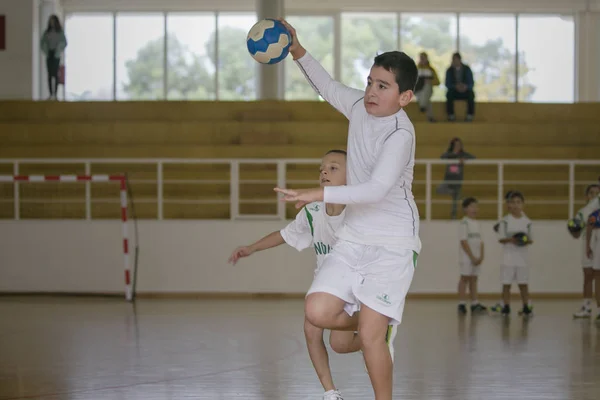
428,78
459,81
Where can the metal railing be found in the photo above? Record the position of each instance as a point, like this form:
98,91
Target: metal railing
281,169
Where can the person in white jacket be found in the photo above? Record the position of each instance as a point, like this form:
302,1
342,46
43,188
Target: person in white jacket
372,264
53,44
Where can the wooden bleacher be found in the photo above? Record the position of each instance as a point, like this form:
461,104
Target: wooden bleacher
274,130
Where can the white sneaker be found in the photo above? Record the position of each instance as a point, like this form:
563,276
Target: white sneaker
389,338
583,313
333,395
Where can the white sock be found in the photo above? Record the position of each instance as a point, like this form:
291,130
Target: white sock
587,304
474,302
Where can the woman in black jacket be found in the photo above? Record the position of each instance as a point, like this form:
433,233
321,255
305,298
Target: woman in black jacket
453,176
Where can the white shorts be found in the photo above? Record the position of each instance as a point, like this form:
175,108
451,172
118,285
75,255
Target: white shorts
376,276
514,274
469,270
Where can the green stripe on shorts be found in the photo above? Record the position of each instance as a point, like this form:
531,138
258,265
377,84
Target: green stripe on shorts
415,256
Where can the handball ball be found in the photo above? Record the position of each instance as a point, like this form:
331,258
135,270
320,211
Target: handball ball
269,41
575,225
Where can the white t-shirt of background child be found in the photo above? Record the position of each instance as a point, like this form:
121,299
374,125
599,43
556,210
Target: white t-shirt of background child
513,255
469,230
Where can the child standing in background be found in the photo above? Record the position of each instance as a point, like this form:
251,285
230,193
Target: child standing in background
471,256
515,264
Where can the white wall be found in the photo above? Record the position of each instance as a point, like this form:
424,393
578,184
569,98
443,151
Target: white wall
22,67
191,256
16,62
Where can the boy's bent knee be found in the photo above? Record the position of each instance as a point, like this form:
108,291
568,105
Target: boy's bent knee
321,309
341,342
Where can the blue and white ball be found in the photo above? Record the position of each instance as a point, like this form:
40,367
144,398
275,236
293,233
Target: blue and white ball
269,41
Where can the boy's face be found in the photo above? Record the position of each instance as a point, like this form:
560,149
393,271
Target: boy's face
471,210
594,192
333,170
516,205
382,95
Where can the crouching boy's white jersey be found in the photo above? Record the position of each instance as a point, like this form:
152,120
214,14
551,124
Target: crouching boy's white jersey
313,226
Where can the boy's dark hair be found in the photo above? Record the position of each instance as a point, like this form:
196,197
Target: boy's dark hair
468,201
507,195
337,151
402,66
516,194
590,187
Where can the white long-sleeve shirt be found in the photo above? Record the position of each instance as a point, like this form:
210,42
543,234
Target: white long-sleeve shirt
381,155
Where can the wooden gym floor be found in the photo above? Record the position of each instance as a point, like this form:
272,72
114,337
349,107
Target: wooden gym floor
103,348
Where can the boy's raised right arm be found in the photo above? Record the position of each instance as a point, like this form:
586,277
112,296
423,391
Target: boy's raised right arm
340,96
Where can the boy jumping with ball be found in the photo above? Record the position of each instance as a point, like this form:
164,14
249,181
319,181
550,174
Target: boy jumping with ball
372,264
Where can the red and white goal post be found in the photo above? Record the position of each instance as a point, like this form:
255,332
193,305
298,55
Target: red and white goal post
121,179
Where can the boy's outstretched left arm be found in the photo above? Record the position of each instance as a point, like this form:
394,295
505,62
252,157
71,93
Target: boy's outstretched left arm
273,239
391,162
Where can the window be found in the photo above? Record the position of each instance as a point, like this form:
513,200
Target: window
436,35
191,56
488,46
140,56
317,38
364,36
132,65
237,70
546,54
89,57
